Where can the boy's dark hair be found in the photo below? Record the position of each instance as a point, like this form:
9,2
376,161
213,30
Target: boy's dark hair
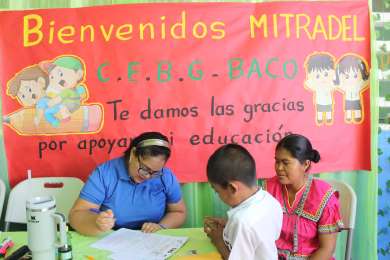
231,162
320,61
149,150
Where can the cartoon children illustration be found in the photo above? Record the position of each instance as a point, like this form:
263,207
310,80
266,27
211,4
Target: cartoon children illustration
320,78
53,90
352,78
28,86
64,93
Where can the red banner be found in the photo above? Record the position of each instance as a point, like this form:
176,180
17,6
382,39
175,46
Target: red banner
76,87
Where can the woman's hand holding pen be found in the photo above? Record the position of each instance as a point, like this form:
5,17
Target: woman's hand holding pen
105,220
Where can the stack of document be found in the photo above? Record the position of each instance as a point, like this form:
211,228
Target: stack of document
130,244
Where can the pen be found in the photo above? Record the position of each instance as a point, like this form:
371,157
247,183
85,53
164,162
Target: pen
95,210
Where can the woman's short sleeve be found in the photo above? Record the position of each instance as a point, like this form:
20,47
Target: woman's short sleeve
330,220
172,187
94,190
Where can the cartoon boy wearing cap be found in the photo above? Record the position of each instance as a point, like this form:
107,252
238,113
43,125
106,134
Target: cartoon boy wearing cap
64,93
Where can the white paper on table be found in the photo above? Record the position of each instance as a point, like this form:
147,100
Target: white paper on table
131,244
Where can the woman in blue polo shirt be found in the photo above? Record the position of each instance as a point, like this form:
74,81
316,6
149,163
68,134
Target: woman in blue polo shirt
135,191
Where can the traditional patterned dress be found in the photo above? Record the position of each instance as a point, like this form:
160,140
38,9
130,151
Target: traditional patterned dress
314,211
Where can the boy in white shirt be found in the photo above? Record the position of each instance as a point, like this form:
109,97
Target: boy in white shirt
255,219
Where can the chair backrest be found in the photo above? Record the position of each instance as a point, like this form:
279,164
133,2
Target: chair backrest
2,195
65,190
347,199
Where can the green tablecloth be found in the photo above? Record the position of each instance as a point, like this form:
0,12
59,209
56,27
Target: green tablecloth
81,250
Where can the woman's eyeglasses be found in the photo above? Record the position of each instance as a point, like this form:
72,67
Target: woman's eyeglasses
144,171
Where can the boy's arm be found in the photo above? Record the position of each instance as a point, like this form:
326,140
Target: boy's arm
365,84
215,233
54,101
82,92
39,109
38,116
340,87
222,249
309,84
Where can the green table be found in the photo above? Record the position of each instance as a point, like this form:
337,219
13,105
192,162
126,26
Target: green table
81,250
